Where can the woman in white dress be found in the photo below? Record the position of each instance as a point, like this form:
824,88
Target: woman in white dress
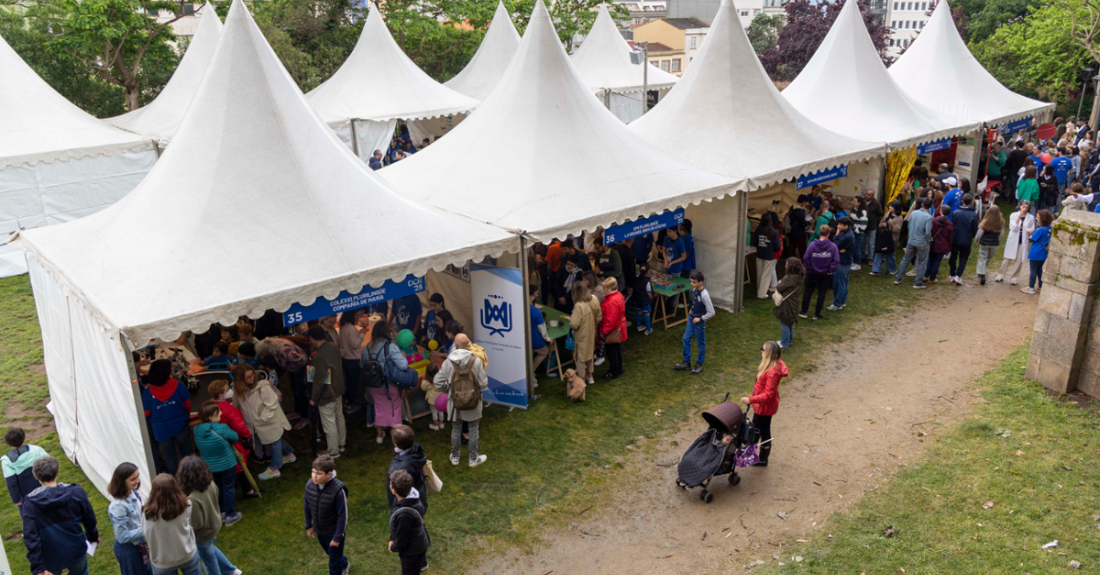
1020,226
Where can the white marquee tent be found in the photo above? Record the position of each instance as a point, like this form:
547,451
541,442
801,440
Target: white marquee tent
160,118
962,87
490,61
250,156
57,162
603,61
558,161
726,116
378,85
846,88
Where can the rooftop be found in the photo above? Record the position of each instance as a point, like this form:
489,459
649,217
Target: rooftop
686,23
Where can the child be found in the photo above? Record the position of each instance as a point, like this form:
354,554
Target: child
230,338
231,416
214,441
1037,254
410,457
17,465
431,328
643,299
408,537
326,508
246,353
221,359
701,311
430,395
943,232
988,238
168,408
246,336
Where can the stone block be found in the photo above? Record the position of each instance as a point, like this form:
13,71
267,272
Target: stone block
1079,307
1058,328
1077,269
1055,376
1033,363
1067,283
1042,322
1053,349
1091,360
1055,301
1089,384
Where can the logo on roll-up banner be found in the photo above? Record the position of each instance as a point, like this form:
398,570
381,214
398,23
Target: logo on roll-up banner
497,318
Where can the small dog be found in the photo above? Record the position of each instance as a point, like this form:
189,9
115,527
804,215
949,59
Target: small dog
574,385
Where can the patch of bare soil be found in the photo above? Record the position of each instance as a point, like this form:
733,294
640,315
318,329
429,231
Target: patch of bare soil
37,368
34,422
870,406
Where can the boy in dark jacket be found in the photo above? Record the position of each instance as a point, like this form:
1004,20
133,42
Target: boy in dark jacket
326,375
58,523
326,507
409,456
408,537
845,242
943,235
965,221
17,465
821,260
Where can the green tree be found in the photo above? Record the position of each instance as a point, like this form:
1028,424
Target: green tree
982,18
311,37
573,17
763,32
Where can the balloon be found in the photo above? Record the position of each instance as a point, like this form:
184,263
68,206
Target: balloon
1046,158
441,402
433,345
405,338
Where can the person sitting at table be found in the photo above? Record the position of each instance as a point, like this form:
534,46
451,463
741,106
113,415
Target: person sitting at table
221,360
540,338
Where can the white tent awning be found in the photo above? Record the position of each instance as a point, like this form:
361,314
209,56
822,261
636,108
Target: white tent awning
726,115
962,87
160,118
379,82
603,61
256,205
845,87
490,61
542,155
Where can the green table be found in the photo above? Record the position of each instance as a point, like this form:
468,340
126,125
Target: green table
679,292
556,333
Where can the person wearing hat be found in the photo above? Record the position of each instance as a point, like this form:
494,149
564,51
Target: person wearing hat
953,197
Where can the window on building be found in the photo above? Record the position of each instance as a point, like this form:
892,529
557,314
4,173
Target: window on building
637,20
907,43
893,23
895,5
675,64
664,65
744,12
922,24
693,40
755,11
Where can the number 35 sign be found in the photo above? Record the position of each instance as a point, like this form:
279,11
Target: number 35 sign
346,301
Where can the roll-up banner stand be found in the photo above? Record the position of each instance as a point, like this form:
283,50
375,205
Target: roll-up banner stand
499,326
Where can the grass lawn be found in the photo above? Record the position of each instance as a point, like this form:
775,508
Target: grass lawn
537,458
1021,472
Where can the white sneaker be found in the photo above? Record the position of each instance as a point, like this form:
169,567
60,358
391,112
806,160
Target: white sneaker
599,361
237,572
590,381
832,308
911,273
454,460
378,440
480,459
641,328
854,267
290,458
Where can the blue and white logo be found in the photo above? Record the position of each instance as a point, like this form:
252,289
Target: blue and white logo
497,318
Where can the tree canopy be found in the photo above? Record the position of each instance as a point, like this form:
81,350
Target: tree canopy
807,24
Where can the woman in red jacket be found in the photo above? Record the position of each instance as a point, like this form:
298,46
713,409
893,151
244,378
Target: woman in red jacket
613,327
232,417
765,395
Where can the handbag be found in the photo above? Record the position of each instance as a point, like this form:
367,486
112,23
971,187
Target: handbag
779,300
402,378
432,482
570,342
616,336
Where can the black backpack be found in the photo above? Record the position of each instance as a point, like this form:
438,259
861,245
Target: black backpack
373,373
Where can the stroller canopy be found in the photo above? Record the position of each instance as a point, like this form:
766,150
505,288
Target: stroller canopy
727,418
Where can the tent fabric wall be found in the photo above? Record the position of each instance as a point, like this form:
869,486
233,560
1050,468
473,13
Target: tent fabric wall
372,136
47,193
717,234
90,393
433,128
861,176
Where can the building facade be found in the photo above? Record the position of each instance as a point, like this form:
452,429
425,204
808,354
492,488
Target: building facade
906,20
673,42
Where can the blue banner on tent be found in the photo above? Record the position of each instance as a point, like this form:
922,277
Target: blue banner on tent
322,307
929,147
1017,125
643,226
807,180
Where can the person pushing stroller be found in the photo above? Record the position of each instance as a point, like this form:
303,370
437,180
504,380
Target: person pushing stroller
765,396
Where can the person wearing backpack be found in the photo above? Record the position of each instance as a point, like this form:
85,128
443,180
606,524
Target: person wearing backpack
408,537
463,378
380,358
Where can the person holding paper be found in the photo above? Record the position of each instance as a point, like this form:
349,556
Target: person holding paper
59,525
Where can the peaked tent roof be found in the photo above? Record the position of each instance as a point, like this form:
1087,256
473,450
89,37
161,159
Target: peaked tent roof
160,118
39,125
846,88
249,152
379,82
963,88
603,60
490,61
559,161
726,115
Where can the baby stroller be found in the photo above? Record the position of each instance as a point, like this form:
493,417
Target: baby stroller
708,457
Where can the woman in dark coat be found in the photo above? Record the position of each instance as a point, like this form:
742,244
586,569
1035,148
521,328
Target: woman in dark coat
787,297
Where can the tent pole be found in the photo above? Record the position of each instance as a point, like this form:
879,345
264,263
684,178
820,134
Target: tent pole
135,386
355,140
739,261
526,317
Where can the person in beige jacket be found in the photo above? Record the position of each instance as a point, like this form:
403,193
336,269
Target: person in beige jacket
259,404
584,319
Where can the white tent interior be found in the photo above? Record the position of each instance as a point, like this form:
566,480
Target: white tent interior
603,61
846,88
568,164
725,115
963,88
490,61
252,156
378,85
57,162
160,118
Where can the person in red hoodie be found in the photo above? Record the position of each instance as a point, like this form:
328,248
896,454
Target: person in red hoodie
168,407
613,327
232,417
765,395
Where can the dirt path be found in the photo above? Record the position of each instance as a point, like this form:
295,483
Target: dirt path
841,430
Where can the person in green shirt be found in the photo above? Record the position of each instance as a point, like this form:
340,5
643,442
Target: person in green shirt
997,160
1029,186
825,217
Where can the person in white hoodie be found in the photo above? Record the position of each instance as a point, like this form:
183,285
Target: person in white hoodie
459,360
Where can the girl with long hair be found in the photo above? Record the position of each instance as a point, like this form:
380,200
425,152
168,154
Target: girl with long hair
351,344
1038,252
583,321
787,297
988,238
258,402
166,524
765,395
196,480
386,399
125,513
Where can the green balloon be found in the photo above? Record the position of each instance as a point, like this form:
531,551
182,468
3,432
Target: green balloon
405,338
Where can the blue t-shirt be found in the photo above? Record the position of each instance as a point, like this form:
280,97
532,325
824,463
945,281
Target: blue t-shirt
1038,160
430,329
1040,238
953,199
689,247
673,250
170,416
815,201
405,310
1062,166
641,247
536,320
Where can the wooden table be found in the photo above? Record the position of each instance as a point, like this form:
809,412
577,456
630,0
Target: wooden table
679,292
556,333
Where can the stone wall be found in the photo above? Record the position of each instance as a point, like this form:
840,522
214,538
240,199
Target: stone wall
1065,344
